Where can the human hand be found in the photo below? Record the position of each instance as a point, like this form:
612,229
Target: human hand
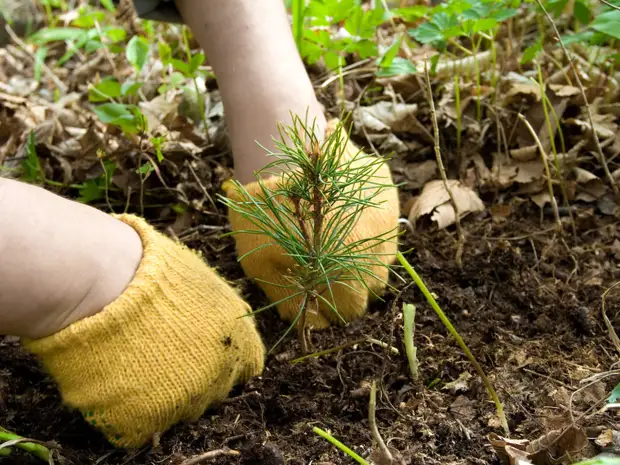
170,346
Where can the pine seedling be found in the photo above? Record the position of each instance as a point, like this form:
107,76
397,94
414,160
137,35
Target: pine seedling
310,212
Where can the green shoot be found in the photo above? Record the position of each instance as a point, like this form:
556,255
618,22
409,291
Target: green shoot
310,210
9,440
446,322
410,348
339,445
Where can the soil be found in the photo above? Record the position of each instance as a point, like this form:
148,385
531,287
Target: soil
527,302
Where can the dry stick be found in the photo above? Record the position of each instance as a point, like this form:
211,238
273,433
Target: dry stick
612,332
543,156
372,423
442,169
599,149
44,67
610,5
212,454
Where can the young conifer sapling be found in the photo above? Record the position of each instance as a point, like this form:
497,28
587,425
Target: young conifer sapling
310,212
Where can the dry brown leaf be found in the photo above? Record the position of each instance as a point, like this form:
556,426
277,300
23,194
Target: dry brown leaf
541,199
459,384
553,447
518,91
434,200
385,116
418,174
563,90
525,153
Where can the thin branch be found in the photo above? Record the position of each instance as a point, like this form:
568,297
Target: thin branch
610,4
386,455
212,454
543,156
442,170
610,328
597,142
50,74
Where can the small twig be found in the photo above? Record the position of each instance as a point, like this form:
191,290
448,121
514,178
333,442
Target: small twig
442,170
543,156
610,4
386,455
212,454
44,67
201,186
612,332
597,142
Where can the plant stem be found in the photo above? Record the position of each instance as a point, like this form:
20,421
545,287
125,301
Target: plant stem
339,445
374,430
446,322
457,100
543,156
32,448
442,170
597,142
410,348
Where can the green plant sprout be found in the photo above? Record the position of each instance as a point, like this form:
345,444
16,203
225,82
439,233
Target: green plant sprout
9,440
309,212
444,319
410,348
339,445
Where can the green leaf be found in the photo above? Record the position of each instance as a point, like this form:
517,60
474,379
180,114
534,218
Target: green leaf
504,14
31,165
608,23
531,52
130,88
86,20
180,66
556,7
56,34
426,33
108,5
615,395
39,62
127,117
90,192
582,12
412,12
165,52
584,36
109,88
399,66
115,34
195,63
483,25
386,59
137,52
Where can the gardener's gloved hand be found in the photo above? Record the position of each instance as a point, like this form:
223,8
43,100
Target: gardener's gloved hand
271,265
171,345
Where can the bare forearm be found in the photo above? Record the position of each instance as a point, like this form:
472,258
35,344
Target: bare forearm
56,259
260,74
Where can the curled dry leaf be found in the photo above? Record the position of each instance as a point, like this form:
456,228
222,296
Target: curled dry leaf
435,201
385,116
552,448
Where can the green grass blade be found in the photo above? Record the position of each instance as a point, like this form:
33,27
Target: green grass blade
339,445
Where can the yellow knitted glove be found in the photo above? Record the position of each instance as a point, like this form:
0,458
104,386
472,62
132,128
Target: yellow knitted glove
173,344
269,265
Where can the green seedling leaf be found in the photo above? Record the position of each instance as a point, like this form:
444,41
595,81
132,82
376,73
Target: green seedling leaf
137,52
531,52
145,169
90,192
33,172
426,33
39,61
582,13
195,63
108,5
504,14
127,117
608,23
483,25
115,34
398,67
586,36
412,12
130,88
555,7
165,52
180,66
87,20
109,88
158,143
92,45
615,395
56,34
386,59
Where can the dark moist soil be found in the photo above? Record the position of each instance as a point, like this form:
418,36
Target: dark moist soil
527,303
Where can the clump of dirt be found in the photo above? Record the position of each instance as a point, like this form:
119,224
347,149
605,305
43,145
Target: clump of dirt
526,301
